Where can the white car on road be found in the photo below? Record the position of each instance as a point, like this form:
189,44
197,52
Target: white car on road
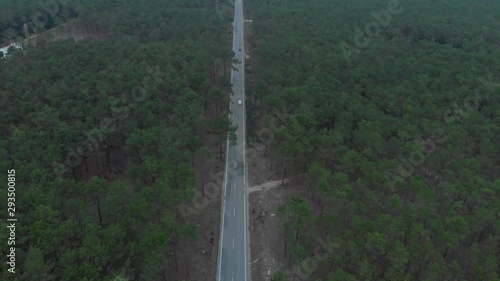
240,102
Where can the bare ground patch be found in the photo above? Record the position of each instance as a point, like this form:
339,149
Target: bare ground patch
267,194
266,228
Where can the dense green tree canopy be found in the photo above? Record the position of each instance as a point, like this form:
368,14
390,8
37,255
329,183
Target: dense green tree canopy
396,115
102,135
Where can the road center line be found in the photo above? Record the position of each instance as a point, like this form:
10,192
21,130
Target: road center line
234,212
233,243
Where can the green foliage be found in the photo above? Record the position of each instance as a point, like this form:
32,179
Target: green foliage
398,140
103,134
280,276
222,127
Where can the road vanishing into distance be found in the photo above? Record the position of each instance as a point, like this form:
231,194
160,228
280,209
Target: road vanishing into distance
233,246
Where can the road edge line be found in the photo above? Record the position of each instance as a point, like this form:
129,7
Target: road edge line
226,169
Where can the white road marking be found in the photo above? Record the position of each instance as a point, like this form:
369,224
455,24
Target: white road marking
239,31
234,212
245,206
223,194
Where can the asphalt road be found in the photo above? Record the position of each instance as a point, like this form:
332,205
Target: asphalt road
233,251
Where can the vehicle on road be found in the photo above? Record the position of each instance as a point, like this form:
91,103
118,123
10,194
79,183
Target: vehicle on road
240,102
239,49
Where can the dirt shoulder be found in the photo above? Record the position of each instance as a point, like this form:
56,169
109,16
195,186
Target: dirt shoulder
266,195
267,233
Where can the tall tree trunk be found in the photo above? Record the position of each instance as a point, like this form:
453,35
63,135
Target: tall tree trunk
74,174
185,258
286,242
203,185
99,208
481,235
473,238
213,72
418,272
176,178
175,256
97,162
85,162
220,147
108,155
445,253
